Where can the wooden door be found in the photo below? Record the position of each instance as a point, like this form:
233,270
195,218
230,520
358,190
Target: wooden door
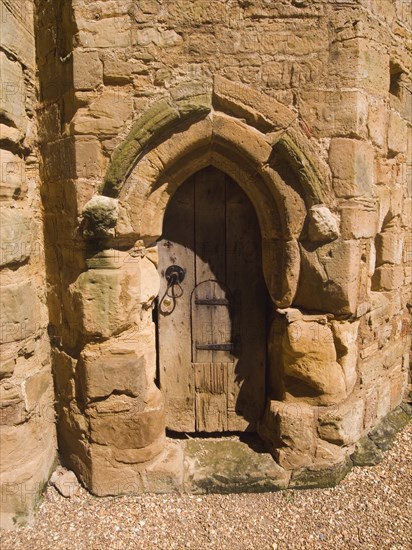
211,325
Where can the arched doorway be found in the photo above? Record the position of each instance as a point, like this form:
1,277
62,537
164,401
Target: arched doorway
212,308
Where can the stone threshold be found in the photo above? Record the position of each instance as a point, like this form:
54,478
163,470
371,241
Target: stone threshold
233,464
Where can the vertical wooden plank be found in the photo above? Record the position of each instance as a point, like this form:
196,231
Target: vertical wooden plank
210,243
246,385
175,368
211,323
202,323
211,397
210,224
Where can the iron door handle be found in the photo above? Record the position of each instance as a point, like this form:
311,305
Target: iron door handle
175,275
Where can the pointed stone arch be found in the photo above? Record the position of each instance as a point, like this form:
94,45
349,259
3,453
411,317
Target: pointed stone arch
189,103
250,136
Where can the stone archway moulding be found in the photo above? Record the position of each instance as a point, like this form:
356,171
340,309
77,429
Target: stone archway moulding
189,103
240,131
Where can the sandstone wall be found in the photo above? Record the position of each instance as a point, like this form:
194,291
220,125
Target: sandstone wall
27,415
340,72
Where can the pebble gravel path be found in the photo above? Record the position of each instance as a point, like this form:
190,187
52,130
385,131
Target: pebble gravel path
370,509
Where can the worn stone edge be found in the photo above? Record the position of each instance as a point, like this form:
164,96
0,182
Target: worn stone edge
309,178
381,438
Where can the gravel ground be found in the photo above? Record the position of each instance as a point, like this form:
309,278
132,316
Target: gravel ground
371,508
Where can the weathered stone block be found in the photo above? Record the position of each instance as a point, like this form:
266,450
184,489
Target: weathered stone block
396,191
241,137
27,456
389,248
105,116
64,373
12,406
119,472
87,69
352,165
289,430
398,382
310,361
329,277
304,40
387,277
345,334
321,476
65,481
13,96
88,159
366,453
104,32
332,113
165,473
119,71
358,221
19,311
343,424
141,455
192,101
328,453
7,366
127,423
98,293
281,257
323,225
117,373
397,134
59,160
385,175
13,183
384,434
17,242
384,398
49,123
372,70
17,31
36,388
360,63
377,123
110,300
163,39
9,134
242,100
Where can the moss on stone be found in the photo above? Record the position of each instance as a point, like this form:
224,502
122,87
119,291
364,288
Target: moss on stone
319,478
384,434
155,122
159,117
370,449
366,453
232,466
195,106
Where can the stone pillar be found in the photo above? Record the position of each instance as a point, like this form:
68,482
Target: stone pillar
27,418
111,412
